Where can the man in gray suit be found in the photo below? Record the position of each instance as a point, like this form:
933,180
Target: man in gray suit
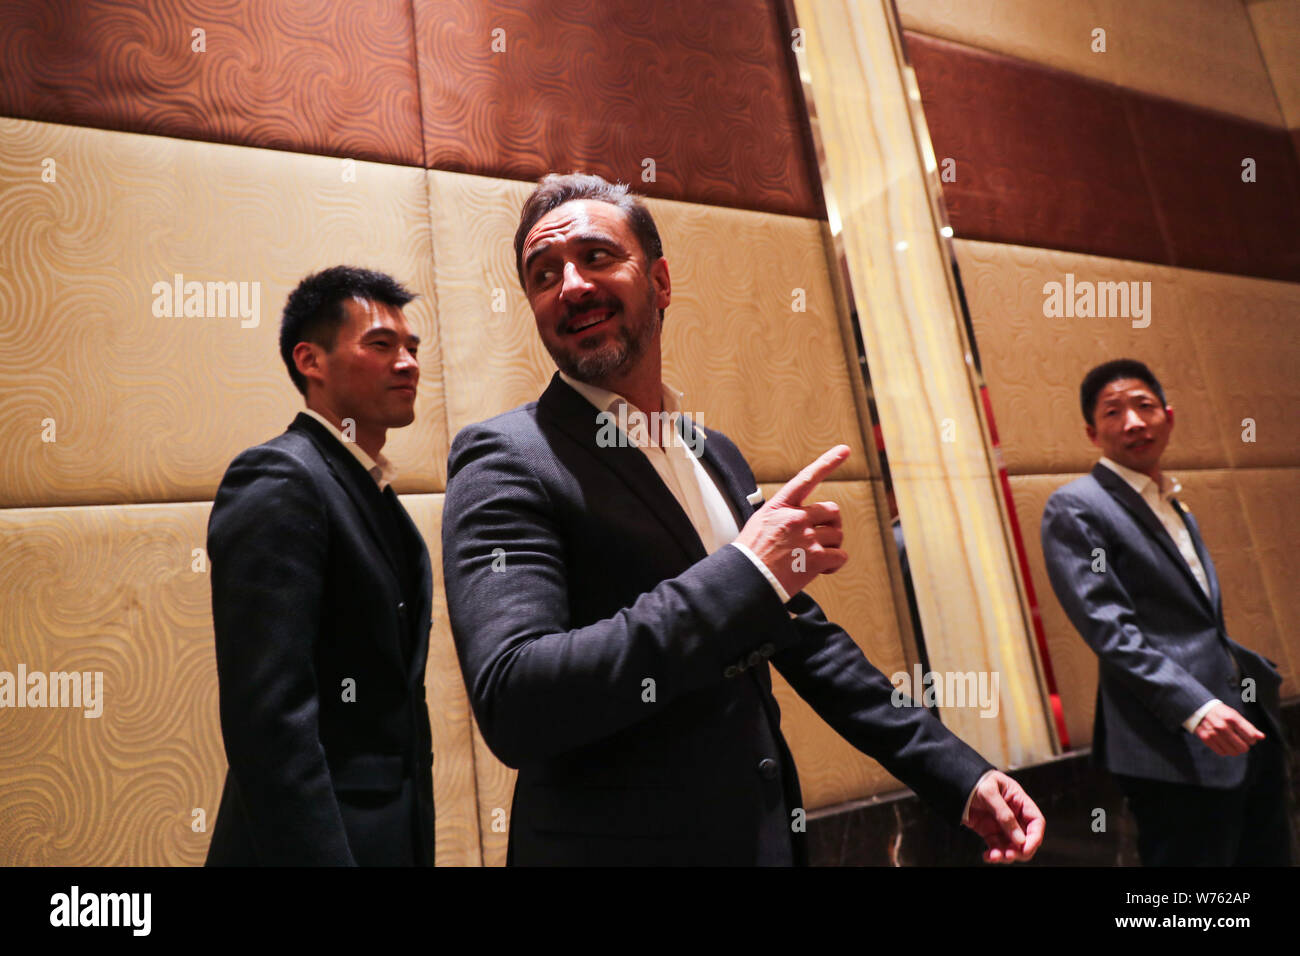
1187,719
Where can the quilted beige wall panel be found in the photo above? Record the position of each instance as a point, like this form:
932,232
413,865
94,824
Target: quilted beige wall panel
775,380
1277,29
1073,662
153,407
1247,337
1268,497
858,597
1201,52
1229,505
455,792
1224,347
114,589
109,590
496,790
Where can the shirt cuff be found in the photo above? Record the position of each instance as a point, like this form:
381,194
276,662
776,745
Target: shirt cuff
1190,723
767,573
965,813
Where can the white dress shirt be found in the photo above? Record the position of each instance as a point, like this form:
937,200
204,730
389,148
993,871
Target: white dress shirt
379,467
1159,499
682,473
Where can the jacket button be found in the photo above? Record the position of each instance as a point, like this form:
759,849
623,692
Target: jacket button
767,768
401,607
755,658
767,650
731,671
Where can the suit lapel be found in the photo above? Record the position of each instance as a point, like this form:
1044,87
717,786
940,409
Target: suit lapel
737,496
577,418
349,473
1122,492
1211,577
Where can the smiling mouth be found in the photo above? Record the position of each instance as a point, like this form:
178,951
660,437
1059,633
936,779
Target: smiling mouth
589,320
1141,443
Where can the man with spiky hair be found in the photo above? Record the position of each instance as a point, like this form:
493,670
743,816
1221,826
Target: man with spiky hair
616,604
321,599
1187,719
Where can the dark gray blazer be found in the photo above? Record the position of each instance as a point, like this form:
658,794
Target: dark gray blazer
1162,644
573,578
317,578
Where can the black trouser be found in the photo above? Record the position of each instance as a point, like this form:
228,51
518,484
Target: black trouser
1185,825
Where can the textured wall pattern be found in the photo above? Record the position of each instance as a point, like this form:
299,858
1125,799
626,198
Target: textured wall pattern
303,75
702,90
153,407
1064,162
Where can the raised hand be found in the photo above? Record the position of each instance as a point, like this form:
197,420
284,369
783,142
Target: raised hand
797,542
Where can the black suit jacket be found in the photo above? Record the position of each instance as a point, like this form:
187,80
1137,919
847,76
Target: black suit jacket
624,672
318,580
1163,648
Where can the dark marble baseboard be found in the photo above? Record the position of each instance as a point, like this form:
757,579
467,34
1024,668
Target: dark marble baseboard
898,830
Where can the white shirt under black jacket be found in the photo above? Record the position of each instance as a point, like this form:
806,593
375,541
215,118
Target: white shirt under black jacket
1159,499
690,484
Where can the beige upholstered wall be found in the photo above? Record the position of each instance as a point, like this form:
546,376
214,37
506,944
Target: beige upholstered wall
99,527
1225,349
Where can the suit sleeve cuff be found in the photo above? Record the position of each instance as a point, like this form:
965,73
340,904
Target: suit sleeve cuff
767,573
965,812
1190,723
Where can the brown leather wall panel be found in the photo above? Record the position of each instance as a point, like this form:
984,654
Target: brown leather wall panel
1051,159
1276,26
303,75
1200,52
1043,158
149,403
1210,217
703,90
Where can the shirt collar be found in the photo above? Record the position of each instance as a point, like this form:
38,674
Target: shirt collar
605,400
1169,485
379,467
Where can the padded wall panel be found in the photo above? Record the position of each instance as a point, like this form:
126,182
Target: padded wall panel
1073,662
1201,52
153,407
774,380
1211,218
1051,161
304,75
858,597
1033,364
109,590
1269,498
1277,30
455,790
702,90
1242,518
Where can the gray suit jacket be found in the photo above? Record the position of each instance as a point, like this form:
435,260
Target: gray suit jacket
1162,644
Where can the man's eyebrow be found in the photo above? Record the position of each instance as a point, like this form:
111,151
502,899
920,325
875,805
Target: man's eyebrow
584,238
382,330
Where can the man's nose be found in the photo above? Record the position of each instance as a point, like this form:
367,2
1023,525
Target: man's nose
575,284
406,359
1133,420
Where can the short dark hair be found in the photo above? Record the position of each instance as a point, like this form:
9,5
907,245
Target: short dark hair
1113,371
314,310
555,189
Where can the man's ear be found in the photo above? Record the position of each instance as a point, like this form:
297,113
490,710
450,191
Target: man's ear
1169,413
662,282
1092,435
308,358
